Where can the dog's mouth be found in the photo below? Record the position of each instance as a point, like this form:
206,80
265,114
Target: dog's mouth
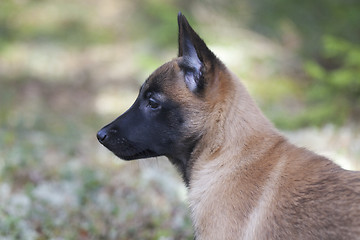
137,155
126,150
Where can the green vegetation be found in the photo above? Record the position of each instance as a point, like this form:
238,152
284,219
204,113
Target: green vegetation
335,93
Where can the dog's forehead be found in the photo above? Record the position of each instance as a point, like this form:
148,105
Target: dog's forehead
161,79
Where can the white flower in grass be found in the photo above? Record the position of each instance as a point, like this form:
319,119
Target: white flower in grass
57,194
18,205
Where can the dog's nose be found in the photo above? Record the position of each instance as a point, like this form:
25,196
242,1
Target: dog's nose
101,135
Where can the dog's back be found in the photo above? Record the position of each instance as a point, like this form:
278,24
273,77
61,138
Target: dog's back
315,199
284,192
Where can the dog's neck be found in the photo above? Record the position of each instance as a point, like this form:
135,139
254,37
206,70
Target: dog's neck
239,122
216,159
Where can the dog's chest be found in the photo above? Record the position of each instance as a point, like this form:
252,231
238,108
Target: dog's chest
227,204
213,206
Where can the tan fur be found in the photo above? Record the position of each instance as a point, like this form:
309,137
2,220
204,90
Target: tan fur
257,185
246,181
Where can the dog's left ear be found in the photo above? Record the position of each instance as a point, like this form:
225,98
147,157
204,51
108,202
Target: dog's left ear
196,57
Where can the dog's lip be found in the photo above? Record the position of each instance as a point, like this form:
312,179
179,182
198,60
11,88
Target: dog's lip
126,150
137,155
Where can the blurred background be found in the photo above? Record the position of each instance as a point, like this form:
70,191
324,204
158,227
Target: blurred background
67,68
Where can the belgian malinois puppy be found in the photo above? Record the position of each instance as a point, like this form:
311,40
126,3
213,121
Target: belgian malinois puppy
244,179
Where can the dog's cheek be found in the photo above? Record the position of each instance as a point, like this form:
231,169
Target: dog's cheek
193,124
167,130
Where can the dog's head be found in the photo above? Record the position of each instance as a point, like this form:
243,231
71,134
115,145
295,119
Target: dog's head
170,113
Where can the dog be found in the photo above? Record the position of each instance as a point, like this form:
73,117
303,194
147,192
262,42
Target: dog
244,179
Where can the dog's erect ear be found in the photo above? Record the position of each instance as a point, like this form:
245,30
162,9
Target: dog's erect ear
195,55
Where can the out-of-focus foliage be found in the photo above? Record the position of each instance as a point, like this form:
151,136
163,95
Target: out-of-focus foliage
312,20
55,22
326,34
301,27
334,93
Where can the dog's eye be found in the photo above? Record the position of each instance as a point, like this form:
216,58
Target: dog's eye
152,103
